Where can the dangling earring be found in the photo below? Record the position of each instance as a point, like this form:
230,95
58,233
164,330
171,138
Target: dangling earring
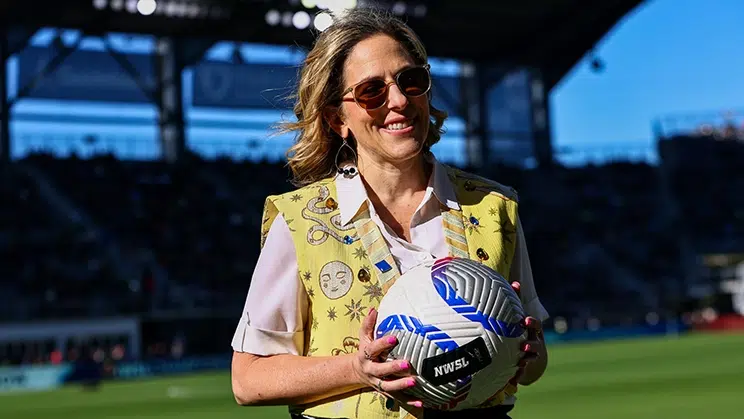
347,172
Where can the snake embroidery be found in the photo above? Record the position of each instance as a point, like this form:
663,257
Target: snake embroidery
319,233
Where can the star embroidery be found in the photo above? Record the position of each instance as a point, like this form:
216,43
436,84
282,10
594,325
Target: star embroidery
507,230
374,291
492,212
355,310
315,324
296,197
360,253
332,314
310,292
307,276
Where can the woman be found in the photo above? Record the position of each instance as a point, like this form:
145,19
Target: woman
365,125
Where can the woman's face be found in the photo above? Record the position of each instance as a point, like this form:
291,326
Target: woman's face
396,132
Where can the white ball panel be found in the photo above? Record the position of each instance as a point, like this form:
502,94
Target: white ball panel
471,284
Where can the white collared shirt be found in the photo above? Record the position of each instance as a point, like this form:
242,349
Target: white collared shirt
276,309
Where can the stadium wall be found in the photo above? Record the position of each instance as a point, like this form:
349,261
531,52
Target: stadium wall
48,377
39,378
33,377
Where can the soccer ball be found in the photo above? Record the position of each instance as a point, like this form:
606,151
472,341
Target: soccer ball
458,322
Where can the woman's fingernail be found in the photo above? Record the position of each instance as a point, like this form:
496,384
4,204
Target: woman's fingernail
392,340
405,365
527,347
411,382
528,321
418,404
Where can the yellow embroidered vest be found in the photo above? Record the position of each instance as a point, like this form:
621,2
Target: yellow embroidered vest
339,268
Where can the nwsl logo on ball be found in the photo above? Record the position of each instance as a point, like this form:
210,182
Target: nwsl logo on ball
450,367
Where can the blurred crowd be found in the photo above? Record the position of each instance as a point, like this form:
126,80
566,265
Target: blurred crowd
711,202
103,237
99,350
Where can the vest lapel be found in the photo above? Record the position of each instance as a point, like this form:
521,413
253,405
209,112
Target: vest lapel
454,232
377,249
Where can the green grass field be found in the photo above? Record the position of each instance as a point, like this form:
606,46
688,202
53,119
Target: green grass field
686,378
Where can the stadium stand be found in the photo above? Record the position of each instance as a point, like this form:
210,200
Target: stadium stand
177,222
102,236
706,179
50,265
200,220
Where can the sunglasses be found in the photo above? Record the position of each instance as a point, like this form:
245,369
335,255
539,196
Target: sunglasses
373,94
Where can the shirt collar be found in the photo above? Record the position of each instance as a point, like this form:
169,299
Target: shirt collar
441,185
352,195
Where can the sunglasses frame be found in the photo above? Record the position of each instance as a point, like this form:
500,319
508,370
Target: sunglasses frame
351,89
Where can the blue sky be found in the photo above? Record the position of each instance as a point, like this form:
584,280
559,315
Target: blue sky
667,57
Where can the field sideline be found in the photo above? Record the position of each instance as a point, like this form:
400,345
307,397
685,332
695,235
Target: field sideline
687,378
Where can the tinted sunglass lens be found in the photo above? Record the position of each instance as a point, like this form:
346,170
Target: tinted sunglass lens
371,94
414,81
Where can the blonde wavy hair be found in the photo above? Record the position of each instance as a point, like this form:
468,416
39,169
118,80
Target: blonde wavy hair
313,155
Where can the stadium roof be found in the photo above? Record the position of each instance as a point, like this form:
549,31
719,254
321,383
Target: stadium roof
552,35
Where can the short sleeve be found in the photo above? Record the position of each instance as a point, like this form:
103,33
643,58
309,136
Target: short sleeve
275,311
521,271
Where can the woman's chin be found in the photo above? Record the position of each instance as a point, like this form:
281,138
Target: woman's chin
401,153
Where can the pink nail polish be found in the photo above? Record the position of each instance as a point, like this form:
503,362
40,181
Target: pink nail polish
418,404
411,383
392,340
527,347
405,365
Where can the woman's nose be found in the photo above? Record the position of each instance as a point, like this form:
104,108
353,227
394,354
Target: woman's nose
396,98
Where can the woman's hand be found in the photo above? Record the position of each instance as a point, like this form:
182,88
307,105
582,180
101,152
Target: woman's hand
533,347
386,377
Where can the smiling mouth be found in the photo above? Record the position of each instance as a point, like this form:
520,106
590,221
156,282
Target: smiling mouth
399,126
334,289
